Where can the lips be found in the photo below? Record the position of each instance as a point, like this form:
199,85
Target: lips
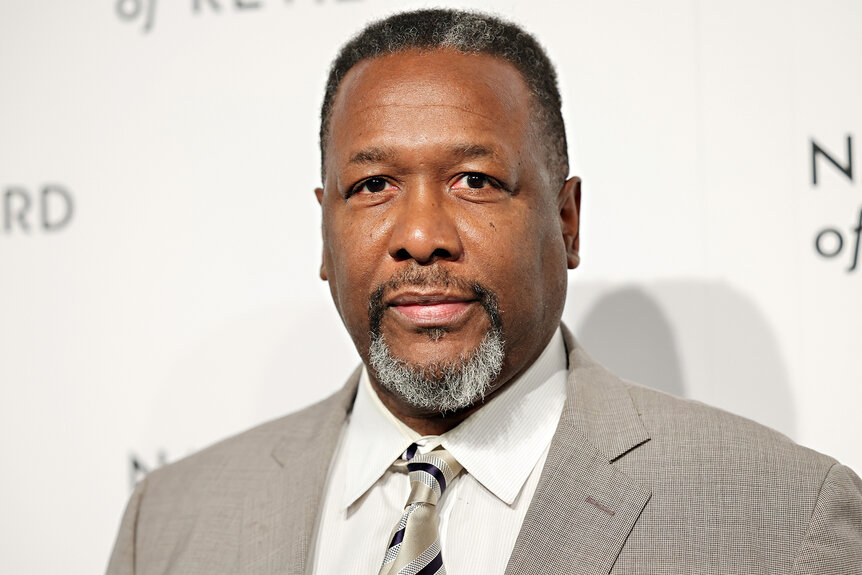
429,310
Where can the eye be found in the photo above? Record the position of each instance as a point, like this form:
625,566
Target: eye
373,185
473,181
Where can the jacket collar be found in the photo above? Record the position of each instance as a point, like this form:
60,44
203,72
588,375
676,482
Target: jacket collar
280,514
582,512
599,406
584,507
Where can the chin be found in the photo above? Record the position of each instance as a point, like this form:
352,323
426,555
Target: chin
439,385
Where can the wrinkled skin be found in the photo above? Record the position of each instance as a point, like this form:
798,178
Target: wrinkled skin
433,163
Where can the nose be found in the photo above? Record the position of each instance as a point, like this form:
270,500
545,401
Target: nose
424,229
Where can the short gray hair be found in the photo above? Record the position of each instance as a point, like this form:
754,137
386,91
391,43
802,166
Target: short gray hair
467,32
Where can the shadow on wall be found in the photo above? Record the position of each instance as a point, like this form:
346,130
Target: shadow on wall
627,331
699,340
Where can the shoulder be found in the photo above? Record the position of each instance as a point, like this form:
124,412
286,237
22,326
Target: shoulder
256,447
197,506
227,468
720,477
693,431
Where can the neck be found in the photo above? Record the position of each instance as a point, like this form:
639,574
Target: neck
422,422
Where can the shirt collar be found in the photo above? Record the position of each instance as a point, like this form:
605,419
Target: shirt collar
499,444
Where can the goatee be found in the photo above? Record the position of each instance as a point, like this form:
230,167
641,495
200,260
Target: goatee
438,386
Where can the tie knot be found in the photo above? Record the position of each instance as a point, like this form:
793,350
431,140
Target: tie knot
430,474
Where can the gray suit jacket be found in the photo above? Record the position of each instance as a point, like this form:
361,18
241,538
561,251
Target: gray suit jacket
636,481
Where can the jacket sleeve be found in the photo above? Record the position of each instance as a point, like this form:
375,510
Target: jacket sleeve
833,542
122,560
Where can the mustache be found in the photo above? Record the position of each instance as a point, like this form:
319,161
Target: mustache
433,277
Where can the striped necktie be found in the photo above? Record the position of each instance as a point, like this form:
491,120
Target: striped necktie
414,546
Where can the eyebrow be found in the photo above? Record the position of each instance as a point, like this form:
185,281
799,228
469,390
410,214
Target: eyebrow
459,152
471,151
373,155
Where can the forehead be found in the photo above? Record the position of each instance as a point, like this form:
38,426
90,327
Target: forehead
433,75
423,94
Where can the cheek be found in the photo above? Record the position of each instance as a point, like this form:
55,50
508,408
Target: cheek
353,250
505,251
523,259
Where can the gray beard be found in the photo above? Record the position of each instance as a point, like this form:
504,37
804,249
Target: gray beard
440,387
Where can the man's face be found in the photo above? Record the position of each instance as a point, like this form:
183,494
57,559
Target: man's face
437,203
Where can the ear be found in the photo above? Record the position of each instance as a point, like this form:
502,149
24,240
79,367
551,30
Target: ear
569,204
319,193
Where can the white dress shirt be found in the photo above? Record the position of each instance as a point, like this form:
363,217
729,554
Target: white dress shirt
502,447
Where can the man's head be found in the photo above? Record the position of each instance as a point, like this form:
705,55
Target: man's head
448,224
468,33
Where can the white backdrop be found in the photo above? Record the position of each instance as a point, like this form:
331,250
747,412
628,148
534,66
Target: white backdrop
160,291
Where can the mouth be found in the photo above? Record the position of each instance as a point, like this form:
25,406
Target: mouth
425,309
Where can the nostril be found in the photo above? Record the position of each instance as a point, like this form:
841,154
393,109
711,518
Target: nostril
402,255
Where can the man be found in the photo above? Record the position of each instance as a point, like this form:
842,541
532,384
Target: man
449,225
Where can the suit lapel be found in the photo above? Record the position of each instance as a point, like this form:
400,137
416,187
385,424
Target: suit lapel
584,507
281,512
582,512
